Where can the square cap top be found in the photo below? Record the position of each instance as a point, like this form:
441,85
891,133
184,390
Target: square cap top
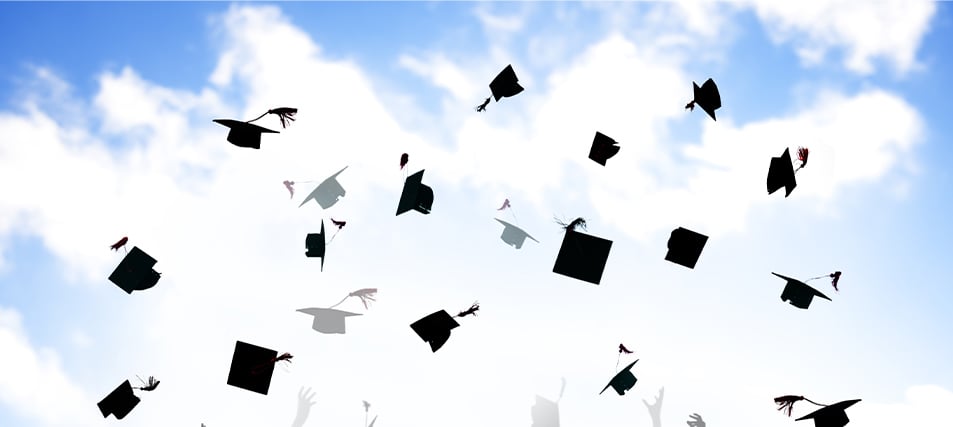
831,415
252,367
603,149
707,97
622,381
241,134
685,247
545,413
328,320
435,328
416,195
134,272
781,174
327,193
120,402
505,84
315,245
582,257
513,235
798,293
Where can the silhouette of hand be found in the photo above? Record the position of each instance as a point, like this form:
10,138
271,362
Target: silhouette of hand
304,407
655,409
697,421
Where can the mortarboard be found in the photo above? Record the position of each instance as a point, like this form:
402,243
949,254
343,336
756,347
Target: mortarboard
513,235
120,402
315,245
435,328
798,293
623,381
505,84
831,415
416,195
327,193
328,320
603,148
781,174
244,134
252,367
582,256
706,97
134,272
685,246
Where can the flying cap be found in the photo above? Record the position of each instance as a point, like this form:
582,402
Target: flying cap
252,367
120,402
685,246
416,195
134,272
435,328
315,245
244,134
513,235
328,320
831,415
505,84
582,257
327,193
781,174
603,149
798,293
622,381
706,97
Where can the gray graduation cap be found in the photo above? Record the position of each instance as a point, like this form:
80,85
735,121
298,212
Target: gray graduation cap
315,245
243,134
622,381
513,235
328,320
415,195
545,413
798,293
781,174
135,272
832,415
327,193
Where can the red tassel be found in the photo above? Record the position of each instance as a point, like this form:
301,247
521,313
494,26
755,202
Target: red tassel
472,310
404,158
786,403
802,153
119,244
622,349
285,114
338,224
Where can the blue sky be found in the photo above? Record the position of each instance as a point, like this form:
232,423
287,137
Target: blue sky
107,111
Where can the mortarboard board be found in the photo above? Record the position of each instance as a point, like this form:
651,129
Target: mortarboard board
244,134
623,381
685,246
798,293
315,245
781,174
831,415
505,84
706,97
328,320
513,235
134,272
435,328
120,402
582,257
416,195
603,148
327,193
252,367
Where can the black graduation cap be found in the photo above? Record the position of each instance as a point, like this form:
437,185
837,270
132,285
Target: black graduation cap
120,402
706,97
505,84
244,134
622,381
134,272
416,195
831,415
327,193
435,328
252,367
603,148
781,174
685,246
798,293
328,320
582,256
513,235
315,245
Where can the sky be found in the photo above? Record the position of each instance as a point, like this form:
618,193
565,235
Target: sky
106,116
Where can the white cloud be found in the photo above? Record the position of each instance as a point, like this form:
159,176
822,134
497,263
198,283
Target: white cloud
925,405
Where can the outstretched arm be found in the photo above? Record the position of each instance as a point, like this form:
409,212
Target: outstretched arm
655,410
304,407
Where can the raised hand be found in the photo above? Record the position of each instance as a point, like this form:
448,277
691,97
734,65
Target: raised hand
655,410
304,407
696,421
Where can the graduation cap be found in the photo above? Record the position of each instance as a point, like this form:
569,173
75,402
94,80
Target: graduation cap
603,148
416,195
623,381
706,97
120,402
327,320
248,135
513,235
315,246
253,366
582,256
134,272
327,193
781,174
798,293
685,246
546,412
832,415
435,328
504,85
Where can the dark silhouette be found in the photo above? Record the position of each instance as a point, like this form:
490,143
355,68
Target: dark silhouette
151,385
582,256
655,410
247,135
696,421
504,85
315,245
134,272
120,244
706,97
253,366
415,195
404,158
802,153
781,174
482,107
623,381
603,148
798,293
623,349
120,402
685,247
513,235
327,193
835,277
305,403
828,416
435,328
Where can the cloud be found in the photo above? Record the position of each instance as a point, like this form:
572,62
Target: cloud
924,405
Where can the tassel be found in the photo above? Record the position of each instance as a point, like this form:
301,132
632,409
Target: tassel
284,357
285,114
338,224
506,204
482,107
835,276
404,158
802,153
786,403
472,310
290,186
120,244
366,294
690,106
151,385
622,349
578,222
